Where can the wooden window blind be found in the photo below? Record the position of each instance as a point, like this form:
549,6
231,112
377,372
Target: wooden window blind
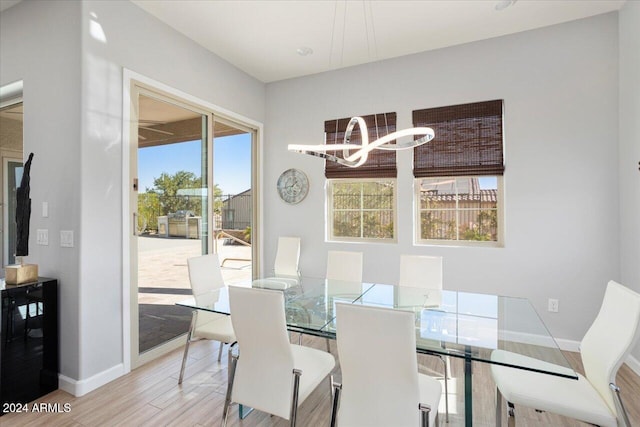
379,164
468,140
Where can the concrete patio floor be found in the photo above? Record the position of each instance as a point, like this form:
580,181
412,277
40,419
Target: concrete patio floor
163,280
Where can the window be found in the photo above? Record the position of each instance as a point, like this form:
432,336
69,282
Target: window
361,201
458,186
361,209
459,208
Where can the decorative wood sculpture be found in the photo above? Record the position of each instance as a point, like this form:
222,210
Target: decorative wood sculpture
23,211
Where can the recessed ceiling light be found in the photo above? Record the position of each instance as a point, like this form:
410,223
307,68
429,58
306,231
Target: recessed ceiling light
503,4
304,51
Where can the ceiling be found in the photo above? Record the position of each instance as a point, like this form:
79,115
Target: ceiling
261,37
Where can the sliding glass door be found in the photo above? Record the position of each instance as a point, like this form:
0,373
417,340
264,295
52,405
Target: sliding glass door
233,207
178,210
170,215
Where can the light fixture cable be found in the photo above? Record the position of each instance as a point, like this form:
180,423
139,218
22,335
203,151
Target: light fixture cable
362,150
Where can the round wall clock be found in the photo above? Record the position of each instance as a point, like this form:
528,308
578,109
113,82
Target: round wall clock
293,186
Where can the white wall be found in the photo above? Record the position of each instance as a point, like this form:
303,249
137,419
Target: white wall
137,41
40,44
73,122
630,147
560,87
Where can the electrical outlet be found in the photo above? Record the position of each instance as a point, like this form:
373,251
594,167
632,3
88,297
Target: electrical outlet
553,305
42,237
66,238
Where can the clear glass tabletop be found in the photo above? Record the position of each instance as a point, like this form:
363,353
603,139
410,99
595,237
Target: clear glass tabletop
309,301
473,325
451,323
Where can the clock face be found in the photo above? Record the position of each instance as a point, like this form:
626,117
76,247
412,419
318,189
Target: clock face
293,186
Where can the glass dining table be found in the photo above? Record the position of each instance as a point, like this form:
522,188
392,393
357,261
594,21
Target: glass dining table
458,324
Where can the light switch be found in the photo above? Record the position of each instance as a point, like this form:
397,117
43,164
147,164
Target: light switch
45,209
66,238
42,237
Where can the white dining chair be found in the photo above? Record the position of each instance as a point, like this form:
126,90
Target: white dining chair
287,257
421,271
344,275
205,279
593,398
381,388
344,266
268,373
286,270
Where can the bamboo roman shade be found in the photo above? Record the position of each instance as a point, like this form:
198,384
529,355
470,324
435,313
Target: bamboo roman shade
468,140
379,164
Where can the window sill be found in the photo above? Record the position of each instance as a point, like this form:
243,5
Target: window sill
361,241
460,244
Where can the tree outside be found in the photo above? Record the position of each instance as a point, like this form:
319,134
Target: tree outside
164,199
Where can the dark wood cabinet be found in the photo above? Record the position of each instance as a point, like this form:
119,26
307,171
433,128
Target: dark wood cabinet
29,348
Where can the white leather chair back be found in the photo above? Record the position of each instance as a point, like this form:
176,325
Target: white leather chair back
205,277
612,335
287,257
344,266
263,378
421,271
204,273
377,350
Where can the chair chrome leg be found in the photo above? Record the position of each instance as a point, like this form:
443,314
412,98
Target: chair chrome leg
498,408
620,409
425,410
332,385
232,374
446,387
335,405
294,398
194,315
328,345
220,351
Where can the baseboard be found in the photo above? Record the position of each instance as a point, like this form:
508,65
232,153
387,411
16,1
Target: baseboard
81,387
634,364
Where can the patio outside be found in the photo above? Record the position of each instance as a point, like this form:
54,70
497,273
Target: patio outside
163,280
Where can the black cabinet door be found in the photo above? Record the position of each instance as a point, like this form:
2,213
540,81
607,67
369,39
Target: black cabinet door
29,347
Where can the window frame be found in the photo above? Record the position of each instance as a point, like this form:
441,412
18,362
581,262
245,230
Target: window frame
419,241
330,211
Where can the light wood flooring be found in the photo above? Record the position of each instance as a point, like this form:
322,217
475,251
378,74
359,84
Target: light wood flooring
150,396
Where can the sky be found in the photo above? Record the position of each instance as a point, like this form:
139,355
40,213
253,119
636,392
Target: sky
231,166
488,182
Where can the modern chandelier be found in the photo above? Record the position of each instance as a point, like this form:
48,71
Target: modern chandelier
362,150
359,157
